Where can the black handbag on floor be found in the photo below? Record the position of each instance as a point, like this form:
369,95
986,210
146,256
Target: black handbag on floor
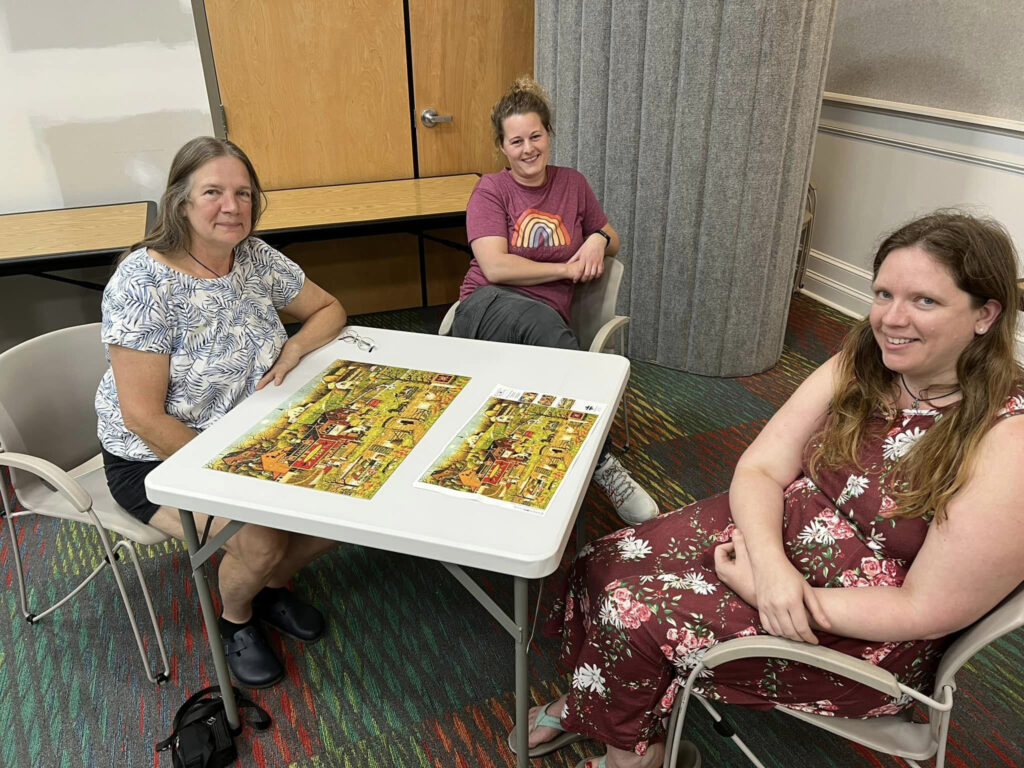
200,735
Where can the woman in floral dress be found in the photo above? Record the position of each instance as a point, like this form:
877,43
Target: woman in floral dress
872,515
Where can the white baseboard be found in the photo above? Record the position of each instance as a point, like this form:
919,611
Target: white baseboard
837,284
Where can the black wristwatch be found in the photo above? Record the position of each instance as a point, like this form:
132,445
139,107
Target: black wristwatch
603,234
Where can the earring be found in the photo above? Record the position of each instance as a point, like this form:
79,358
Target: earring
980,330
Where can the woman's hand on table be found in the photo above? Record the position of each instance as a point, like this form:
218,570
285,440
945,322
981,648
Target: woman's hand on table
591,256
286,360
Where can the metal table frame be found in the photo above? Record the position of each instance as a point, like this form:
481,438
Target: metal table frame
519,545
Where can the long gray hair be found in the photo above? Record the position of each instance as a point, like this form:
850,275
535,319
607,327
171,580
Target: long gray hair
170,233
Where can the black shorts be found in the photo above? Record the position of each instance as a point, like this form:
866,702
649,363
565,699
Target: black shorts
126,481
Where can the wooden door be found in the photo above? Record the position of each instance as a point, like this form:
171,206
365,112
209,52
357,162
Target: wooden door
465,54
315,92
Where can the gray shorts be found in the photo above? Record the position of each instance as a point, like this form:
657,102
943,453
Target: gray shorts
495,313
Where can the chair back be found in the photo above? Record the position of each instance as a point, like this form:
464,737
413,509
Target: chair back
593,303
1001,620
47,394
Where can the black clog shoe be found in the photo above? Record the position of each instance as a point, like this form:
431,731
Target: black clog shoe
252,661
289,614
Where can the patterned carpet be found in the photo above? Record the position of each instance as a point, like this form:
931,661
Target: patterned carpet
412,674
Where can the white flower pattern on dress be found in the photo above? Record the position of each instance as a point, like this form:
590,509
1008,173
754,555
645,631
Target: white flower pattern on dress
815,532
695,582
633,548
876,541
855,486
691,580
609,614
585,550
588,677
896,446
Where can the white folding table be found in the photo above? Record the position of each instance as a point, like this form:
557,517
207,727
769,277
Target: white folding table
455,530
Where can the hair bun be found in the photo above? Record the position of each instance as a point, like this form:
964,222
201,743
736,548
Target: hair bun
525,95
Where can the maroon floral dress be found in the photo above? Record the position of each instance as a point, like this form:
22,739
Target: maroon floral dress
642,604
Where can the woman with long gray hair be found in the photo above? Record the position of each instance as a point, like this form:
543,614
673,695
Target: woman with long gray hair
191,327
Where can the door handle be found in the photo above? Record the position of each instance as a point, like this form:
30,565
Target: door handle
430,118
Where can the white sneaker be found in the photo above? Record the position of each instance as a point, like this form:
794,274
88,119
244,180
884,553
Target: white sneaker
632,502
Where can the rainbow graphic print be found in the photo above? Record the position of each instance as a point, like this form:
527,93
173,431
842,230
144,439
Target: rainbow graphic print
537,228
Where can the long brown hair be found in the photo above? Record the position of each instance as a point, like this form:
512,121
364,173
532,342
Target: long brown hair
170,233
980,257
524,96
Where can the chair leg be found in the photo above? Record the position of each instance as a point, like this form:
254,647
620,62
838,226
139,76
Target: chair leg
678,716
725,730
624,448
674,732
625,418
9,514
160,676
111,559
12,538
34,618
943,735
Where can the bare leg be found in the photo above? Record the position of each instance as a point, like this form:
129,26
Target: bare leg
618,758
542,734
246,568
252,558
300,552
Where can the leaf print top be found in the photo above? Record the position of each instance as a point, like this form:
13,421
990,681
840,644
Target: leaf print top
222,334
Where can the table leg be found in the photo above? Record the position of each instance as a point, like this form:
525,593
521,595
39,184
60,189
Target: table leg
522,616
220,663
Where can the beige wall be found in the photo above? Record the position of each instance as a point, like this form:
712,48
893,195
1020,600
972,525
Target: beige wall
876,169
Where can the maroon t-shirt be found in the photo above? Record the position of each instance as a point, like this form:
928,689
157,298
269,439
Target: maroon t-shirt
545,223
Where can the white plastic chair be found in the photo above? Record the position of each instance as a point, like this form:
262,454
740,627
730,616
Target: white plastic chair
592,318
48,441
891,734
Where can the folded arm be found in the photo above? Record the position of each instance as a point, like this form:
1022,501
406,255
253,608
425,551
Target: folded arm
766,468
503,268
966,565
593,251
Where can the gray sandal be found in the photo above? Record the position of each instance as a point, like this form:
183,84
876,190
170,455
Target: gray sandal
563,739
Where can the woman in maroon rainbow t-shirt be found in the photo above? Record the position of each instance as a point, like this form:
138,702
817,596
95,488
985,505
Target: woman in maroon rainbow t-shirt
536,230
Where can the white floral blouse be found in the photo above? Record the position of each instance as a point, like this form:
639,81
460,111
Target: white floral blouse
221,334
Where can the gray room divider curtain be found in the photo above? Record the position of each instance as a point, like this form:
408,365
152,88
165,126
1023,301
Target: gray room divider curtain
694,121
